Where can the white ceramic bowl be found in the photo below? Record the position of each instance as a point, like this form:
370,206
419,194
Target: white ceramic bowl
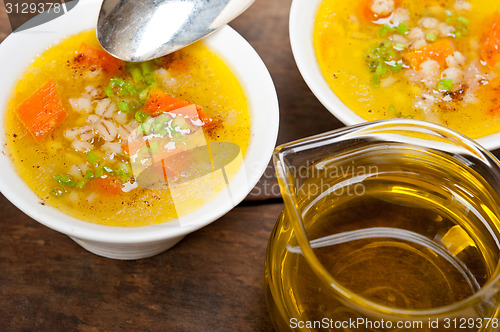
301,24
19,49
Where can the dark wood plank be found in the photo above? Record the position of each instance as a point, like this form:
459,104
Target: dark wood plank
211,281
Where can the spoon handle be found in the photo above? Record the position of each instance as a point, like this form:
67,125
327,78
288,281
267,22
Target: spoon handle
134,30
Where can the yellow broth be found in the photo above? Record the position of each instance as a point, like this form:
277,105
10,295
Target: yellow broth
343,38
194,74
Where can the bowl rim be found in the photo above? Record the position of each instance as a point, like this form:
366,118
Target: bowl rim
253,77
301,28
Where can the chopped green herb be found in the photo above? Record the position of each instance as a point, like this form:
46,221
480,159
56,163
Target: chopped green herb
445,85
398,66
147,72
431,36
146,68
125,168
143,94
399,46
123,106
381,57
402,28
122,87
449,16
82,183
146,128
177,136
93,158
89,174
153,145
463,20
180,122
107,169
98,172
136,73
393,111
385,29
136,105
64,180
58,191
116,81
381,70
157,127
109,92
141,117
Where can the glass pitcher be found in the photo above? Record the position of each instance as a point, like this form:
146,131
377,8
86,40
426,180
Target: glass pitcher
388,226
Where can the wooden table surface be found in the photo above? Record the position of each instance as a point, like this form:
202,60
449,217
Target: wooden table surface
211,281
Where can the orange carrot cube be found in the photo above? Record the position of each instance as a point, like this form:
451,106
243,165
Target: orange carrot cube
42,111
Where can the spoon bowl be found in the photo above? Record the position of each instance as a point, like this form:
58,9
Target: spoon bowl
133,30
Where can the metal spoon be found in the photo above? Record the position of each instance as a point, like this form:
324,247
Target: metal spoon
140,30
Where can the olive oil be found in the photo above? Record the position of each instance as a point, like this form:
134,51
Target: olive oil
410,236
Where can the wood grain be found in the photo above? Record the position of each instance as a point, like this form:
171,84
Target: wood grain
211,281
